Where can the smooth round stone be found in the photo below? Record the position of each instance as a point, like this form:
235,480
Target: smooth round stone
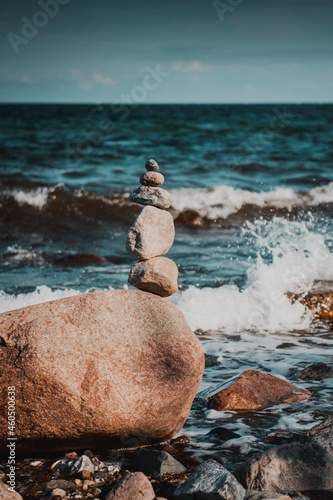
151,235
153,179
152,165
146,195
158,275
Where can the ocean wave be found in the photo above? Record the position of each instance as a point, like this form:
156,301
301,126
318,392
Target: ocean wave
290,257
190,206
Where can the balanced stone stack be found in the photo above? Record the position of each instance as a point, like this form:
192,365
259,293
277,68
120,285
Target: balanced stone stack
152,236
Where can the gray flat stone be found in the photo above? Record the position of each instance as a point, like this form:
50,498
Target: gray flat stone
155,463
155,196
210,480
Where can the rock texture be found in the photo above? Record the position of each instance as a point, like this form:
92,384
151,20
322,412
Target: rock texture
291,467
158,275
152,165
153,179
7,494
155,463
155,196
97,366
265,495
254,390
210,480
134,486
320,302
151,235
315,371
322,434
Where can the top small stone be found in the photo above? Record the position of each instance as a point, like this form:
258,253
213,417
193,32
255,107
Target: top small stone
152,165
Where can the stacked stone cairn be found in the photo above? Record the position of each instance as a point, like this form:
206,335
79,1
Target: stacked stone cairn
152,236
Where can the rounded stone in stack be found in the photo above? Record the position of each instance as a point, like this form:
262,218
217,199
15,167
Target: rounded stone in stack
152,234
153,179
152,165
155,196
157,275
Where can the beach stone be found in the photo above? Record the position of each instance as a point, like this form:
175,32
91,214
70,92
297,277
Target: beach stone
7,494
151,235
290,467
157,275
265,495
95,367
155,463
254,390
58,492
210,480
223,434
58,483
320,302
315,371
153,179
152,165
155,196
134,485
322,434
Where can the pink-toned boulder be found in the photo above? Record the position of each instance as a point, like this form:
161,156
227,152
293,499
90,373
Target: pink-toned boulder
89,368
254,390
134,485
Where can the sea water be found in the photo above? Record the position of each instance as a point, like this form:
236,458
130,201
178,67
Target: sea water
252,197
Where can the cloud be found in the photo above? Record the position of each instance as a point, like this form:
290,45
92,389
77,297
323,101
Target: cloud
196,66
88,82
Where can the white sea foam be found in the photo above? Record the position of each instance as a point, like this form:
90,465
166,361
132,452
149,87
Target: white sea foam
35,197
298,257
221,201
41,294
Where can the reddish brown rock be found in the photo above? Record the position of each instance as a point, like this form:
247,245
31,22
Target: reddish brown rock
134,485
158,275
319,302
153,179
254,390
97,366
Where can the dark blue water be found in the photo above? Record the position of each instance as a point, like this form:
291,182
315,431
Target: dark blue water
252,191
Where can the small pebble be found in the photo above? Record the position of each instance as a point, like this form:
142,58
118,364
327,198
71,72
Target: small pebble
77,481
153,179
36,463
97,492
85,487
86,474
152,165
89,453
58,492
71,454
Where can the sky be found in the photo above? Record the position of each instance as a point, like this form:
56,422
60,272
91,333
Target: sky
174,51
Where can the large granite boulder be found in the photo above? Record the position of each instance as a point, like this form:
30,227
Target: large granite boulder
95,367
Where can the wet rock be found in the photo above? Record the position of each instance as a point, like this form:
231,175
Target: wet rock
140,368
316,371
153,179
157,197
158,275
152,165
58,492
223,434
155,463
58,484
265,495
254,390
134,485
322,434
282,437
151,235
75,466
7,494
290,467
210,480
319,302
